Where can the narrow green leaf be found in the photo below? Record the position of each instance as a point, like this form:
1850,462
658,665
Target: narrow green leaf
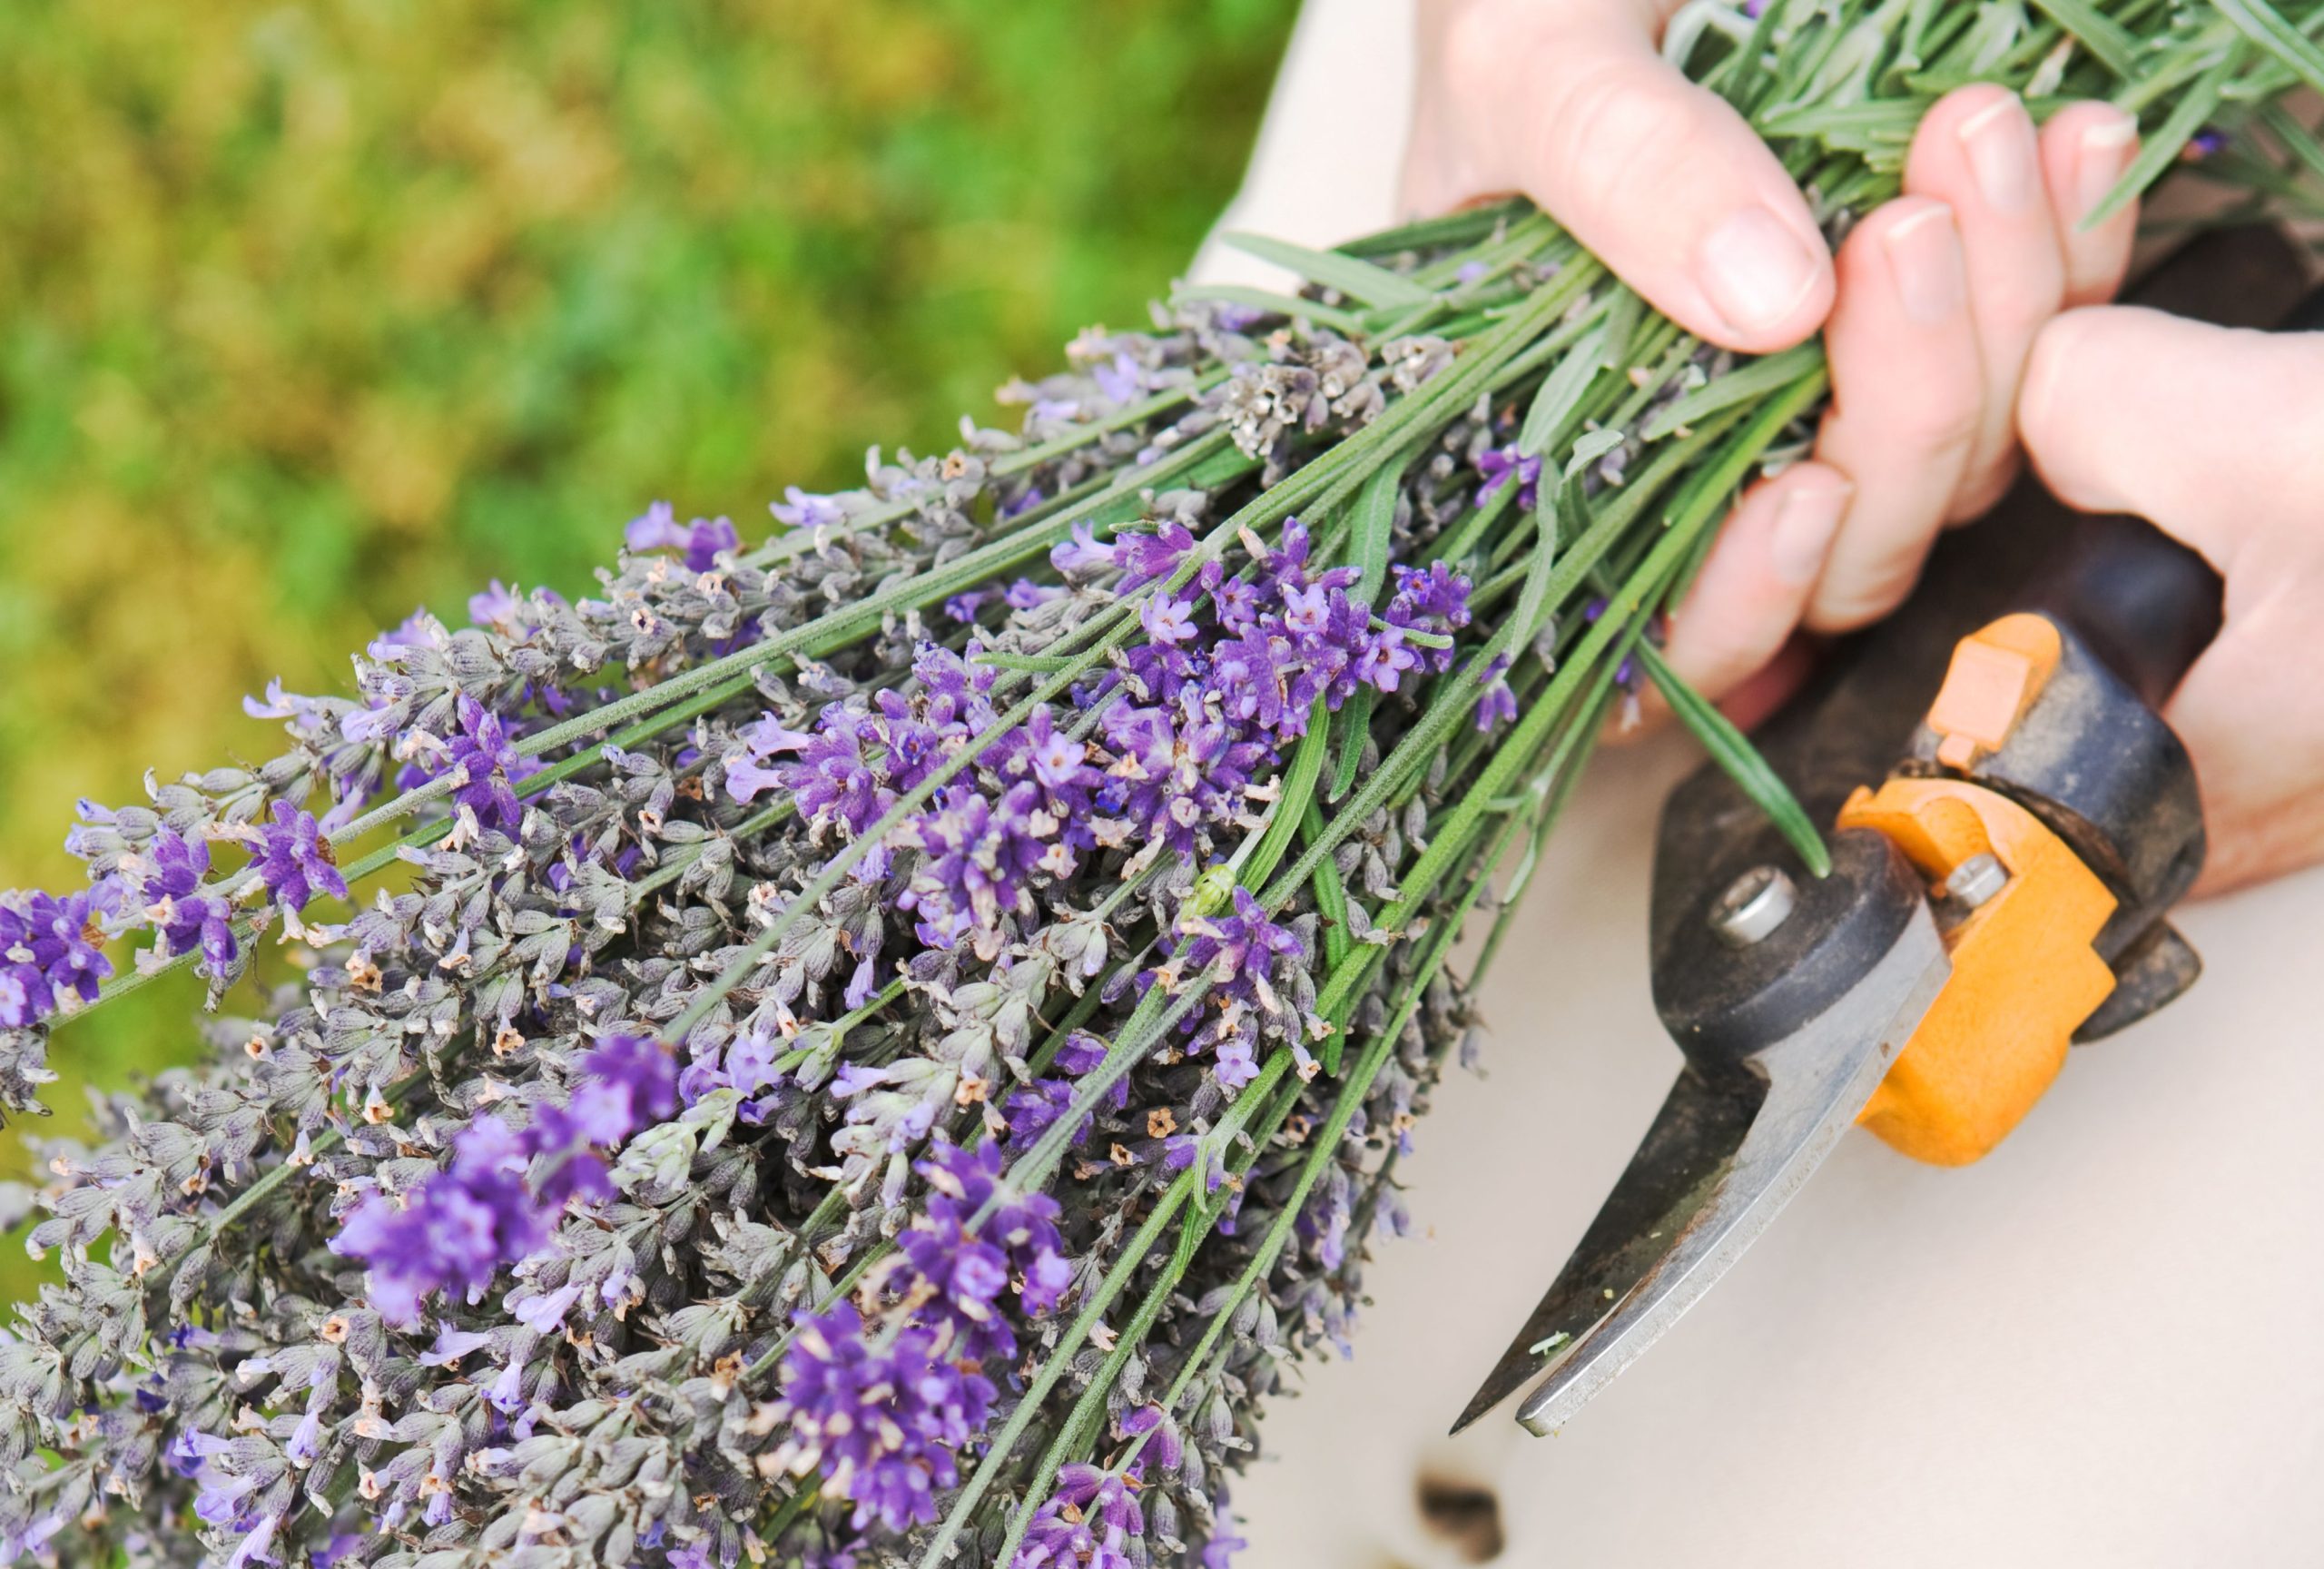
1298,794
1559,399
2094,31
1759,378
1843,125
1464,228
1531,598
2258,21
1374,519
1358,715
1734,752
1352,276
1330,898
1590,446
1417,638
1035,663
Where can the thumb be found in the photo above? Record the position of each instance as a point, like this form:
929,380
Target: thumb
1661,178
2215,435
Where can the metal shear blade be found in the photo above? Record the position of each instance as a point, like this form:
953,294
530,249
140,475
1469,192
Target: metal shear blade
1719,1163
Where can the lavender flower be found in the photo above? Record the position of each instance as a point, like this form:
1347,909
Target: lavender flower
478,1215
1089,1520
883,1425
189,918
1497,705
295,861
52,957
456,1230
1499,465
703,542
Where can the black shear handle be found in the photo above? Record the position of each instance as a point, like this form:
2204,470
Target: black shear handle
2144,604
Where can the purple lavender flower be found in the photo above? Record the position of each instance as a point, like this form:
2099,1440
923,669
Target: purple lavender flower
1030,1110
186,917
1082,556
1385,659
416,631
658,529
1306,610
801,510
295,861
1166,618
1497,705
1120,380
643,1074
461,1226
1244,945
51,953
1433,594
485,765
1498,464
1023,1225
961,1278
1149,558
1089,1522
1219,1552
882,1424
1236,602
1055,761
978,856
455,1229
624,1087
497,606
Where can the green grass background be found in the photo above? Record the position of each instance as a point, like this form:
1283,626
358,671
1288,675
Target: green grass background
311,313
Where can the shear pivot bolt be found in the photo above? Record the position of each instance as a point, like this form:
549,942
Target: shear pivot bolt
1977,879
1754,905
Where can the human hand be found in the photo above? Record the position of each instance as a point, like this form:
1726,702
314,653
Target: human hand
2217,437
1928,309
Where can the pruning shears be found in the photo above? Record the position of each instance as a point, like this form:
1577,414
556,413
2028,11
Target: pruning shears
2013,821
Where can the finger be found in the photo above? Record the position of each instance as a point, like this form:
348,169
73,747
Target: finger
1662,179
1755,583
2207,431
1977,151
2085,148
2252,713
1907,389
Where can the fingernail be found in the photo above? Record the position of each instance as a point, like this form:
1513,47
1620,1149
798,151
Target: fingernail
1925,253
2106,150
1807,516
1999,142
1754,271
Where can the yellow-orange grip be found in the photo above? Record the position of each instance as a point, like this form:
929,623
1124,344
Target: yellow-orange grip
2024,975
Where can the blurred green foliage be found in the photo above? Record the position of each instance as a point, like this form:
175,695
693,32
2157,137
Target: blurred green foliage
312,313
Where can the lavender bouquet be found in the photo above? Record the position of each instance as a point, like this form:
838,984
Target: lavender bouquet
879,1045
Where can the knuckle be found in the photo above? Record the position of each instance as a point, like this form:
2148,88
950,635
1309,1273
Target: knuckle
1855,594
1621,129
1936,425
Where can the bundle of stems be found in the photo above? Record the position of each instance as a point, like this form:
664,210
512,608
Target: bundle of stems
881,1045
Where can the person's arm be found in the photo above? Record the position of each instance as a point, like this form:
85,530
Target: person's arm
1928,311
